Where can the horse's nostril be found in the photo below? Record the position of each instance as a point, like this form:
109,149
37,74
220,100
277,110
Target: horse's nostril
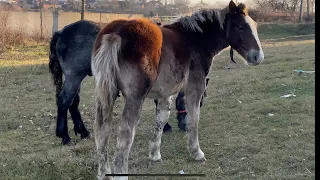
255,56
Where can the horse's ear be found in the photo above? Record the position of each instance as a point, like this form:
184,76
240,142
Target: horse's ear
243,8
232,7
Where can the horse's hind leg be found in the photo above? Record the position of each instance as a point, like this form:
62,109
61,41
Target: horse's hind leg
134,87
193,94
162,115
69,90
102,128
126,131
79,127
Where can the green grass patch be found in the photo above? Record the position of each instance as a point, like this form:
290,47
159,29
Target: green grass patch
267,31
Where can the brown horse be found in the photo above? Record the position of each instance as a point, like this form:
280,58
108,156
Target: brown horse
143,60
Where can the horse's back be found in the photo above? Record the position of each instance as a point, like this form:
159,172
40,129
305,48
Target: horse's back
75,44
72,32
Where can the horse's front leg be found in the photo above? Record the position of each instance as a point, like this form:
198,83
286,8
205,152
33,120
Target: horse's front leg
162,115
194,91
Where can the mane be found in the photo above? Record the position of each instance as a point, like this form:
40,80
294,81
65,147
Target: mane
193,22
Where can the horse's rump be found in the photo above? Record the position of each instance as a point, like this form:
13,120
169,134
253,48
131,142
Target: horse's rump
141,42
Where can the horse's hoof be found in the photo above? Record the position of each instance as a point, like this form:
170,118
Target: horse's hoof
167,128
66,140
199,156
121,178
105,178
155,158
84,133
182,126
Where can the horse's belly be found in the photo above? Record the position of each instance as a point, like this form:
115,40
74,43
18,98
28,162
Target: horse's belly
164,91
167,84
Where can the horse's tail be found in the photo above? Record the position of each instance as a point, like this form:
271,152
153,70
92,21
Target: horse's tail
54,65
105,67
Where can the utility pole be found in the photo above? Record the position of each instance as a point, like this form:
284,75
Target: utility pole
82,9
41,6
308,8
301,9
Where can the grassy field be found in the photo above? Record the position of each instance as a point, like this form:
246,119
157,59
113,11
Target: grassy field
284,30
237,134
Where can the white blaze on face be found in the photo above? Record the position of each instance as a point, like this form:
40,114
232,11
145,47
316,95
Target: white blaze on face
253,27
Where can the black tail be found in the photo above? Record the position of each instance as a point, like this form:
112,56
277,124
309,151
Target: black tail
54,65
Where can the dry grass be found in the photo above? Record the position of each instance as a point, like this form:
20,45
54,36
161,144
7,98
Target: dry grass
240,140
10,38
7,36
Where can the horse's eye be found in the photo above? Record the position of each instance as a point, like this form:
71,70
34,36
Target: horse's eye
241,28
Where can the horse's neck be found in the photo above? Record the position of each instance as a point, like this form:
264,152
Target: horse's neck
207,44
211,41
211,44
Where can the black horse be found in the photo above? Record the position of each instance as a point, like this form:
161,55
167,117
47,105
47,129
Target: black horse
70,55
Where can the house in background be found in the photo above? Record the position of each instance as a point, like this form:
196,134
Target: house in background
9,6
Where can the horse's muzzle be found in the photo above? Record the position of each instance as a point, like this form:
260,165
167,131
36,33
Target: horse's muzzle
255,57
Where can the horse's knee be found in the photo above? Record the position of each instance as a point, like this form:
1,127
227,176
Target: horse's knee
125,135
76,101
64,102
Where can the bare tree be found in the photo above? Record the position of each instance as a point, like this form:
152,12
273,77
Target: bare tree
294,5
185,2
165,2
301,8
282,5
308,8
